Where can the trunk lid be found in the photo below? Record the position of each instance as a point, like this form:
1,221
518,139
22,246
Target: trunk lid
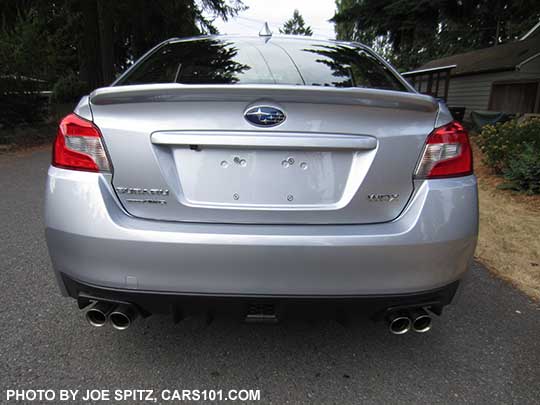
187,153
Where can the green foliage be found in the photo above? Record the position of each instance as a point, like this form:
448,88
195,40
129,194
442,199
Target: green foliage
523,173
346,27
43,40
68,89
296,26
96,39
22,109
20,76
411,32
496,144
513,149
37,42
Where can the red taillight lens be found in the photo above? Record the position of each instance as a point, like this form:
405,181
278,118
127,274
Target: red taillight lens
447,153
78,146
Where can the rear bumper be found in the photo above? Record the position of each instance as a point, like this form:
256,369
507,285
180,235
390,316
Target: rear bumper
92,240
280,307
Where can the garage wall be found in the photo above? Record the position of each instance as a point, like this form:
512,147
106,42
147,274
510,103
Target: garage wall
472,92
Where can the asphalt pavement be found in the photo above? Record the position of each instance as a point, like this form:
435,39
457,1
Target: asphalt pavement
484,349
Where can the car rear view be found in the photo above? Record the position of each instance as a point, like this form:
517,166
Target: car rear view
261,176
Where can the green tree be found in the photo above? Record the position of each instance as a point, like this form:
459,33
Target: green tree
474,24
296,26
96,39
346,27
411,32
74,46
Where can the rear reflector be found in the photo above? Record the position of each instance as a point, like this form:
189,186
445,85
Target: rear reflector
447,153
78,146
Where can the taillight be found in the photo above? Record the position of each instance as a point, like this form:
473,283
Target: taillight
447,153
78,146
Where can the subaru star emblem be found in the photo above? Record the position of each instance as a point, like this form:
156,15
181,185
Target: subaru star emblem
264,116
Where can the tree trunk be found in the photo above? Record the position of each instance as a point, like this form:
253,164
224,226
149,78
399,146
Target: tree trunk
90,57
497,32
106,40
139,30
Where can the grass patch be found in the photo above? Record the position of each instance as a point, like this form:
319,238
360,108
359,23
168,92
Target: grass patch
509,242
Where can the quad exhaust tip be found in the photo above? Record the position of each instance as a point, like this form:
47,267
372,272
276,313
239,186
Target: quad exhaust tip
421,321
399,324
122,316
417,320
97,315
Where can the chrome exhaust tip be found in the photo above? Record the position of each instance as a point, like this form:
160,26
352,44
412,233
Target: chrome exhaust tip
398,324
122,316
97,315
421,321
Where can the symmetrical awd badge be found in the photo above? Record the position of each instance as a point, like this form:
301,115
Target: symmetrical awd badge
264,116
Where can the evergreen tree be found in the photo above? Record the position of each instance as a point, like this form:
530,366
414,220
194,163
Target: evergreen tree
296,26
411,32
95,39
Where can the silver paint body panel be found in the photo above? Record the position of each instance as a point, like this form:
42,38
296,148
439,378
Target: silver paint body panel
92,239
353,143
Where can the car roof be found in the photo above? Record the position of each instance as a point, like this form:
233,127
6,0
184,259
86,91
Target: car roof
273,38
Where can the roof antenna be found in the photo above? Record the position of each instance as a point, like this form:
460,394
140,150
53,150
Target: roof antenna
265,31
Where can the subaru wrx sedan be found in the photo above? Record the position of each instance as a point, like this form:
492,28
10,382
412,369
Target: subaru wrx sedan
265,177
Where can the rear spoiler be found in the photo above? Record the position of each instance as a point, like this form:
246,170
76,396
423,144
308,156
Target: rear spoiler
148,93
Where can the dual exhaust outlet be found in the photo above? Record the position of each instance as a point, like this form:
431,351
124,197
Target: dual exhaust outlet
401,322
121,316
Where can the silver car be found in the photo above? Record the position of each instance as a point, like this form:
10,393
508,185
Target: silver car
266,177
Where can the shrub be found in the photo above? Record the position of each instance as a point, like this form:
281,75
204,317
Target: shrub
523,173
494,146
502,143
68,89
513,149
21,101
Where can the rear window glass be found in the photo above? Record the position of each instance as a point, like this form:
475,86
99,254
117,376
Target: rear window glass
293,62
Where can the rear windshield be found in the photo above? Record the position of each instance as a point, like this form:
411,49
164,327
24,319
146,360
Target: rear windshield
292,62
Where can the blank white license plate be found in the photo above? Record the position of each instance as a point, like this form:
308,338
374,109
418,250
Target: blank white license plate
262,178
